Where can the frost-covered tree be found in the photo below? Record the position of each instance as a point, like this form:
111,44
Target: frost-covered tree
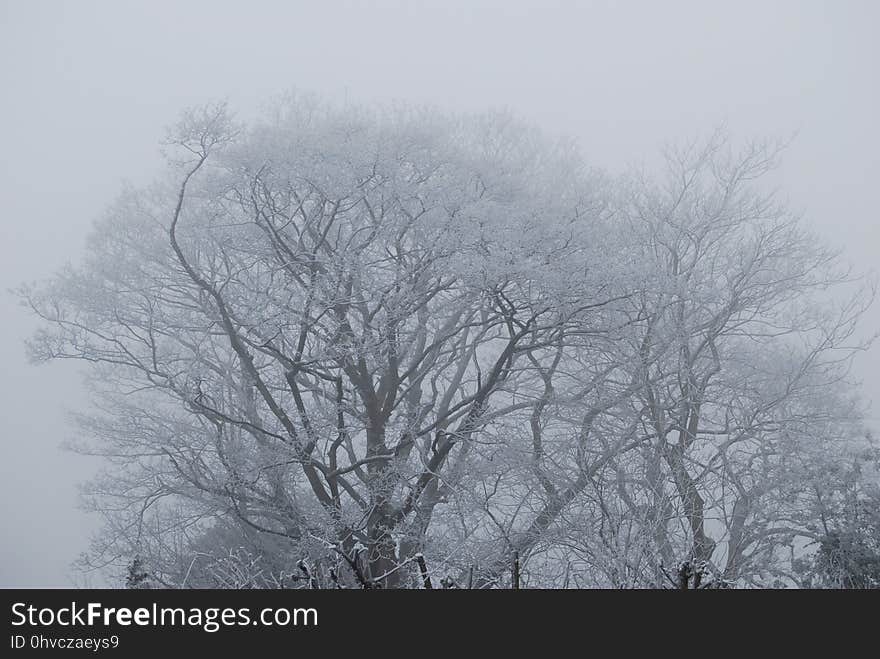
351,348
844,516
313,325
747,326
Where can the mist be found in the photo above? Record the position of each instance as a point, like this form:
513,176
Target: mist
89,88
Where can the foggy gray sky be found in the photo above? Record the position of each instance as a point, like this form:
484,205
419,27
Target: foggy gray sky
86,89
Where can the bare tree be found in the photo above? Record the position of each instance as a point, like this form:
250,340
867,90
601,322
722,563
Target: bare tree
745,358
352,348
310,325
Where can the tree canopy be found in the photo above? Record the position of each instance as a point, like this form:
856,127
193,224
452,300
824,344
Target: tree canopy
352,348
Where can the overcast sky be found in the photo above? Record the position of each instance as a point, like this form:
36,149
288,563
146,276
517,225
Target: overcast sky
86,89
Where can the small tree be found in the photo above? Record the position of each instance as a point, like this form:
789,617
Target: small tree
847,501
137,578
